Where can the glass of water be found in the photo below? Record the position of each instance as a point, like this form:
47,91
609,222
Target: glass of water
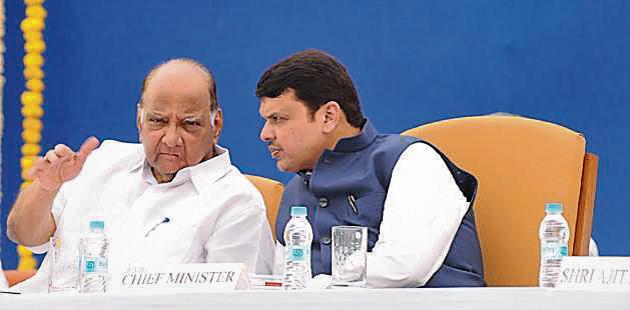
64,267
349,256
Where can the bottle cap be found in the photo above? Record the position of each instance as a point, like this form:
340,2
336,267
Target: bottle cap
97,225
553,207
298,211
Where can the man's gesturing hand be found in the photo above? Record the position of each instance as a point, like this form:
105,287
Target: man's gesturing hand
61,164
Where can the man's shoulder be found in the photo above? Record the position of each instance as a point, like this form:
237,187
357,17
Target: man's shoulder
119,146
390,140
115,153
110,158
235,183
405,144
239,179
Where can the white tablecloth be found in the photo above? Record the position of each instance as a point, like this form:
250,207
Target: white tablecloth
382,299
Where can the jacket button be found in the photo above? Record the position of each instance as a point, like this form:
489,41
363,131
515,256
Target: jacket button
323,202
326,240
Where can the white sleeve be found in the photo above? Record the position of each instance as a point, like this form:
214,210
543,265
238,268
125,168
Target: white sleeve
242,234
422,212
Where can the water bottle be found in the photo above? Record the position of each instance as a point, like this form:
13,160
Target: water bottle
554,237
298,236
93,276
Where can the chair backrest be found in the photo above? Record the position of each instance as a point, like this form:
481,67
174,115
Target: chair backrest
271,191
520,164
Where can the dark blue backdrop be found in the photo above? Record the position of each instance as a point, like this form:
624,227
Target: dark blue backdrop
413,62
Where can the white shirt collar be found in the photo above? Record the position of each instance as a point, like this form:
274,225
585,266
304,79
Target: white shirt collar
201,175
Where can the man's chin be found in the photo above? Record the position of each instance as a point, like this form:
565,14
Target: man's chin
167,169
282,166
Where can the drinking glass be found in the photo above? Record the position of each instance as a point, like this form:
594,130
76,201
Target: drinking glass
64,267
349,257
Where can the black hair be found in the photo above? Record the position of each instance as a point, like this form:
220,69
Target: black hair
316,78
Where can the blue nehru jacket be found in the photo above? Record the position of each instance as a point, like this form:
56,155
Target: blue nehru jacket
348,186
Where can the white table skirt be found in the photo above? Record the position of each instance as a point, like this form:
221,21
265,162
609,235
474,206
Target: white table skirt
381,299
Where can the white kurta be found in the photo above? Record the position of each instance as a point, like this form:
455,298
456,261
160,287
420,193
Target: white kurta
208,213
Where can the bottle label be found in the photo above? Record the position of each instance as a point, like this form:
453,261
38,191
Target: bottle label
296,253
551,251
95,265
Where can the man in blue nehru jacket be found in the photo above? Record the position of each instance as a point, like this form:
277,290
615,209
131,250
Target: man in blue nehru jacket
416,204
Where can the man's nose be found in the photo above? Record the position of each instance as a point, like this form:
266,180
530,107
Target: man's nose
266,134
172,137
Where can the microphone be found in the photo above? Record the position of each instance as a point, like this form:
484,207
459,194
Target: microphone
164,221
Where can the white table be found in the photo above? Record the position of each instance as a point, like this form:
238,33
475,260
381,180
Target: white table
396,299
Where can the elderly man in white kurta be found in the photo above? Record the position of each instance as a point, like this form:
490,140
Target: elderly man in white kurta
174,198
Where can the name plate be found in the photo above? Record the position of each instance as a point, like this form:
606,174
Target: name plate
181,278
595,272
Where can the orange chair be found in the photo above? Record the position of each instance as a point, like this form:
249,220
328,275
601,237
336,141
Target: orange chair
16,276
520,164
271,191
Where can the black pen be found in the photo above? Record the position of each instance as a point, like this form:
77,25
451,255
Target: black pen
165,220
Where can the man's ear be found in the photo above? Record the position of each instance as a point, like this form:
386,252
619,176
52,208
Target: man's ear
217,123
139,120
332,114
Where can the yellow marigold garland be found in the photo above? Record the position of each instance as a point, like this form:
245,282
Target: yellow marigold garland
32,99
2,81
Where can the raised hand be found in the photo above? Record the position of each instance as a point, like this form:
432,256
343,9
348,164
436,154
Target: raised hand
61,164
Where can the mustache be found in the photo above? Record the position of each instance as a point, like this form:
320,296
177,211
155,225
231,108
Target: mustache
170,151
273,147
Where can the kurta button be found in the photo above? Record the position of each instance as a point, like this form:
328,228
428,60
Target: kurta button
323,202
326,240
